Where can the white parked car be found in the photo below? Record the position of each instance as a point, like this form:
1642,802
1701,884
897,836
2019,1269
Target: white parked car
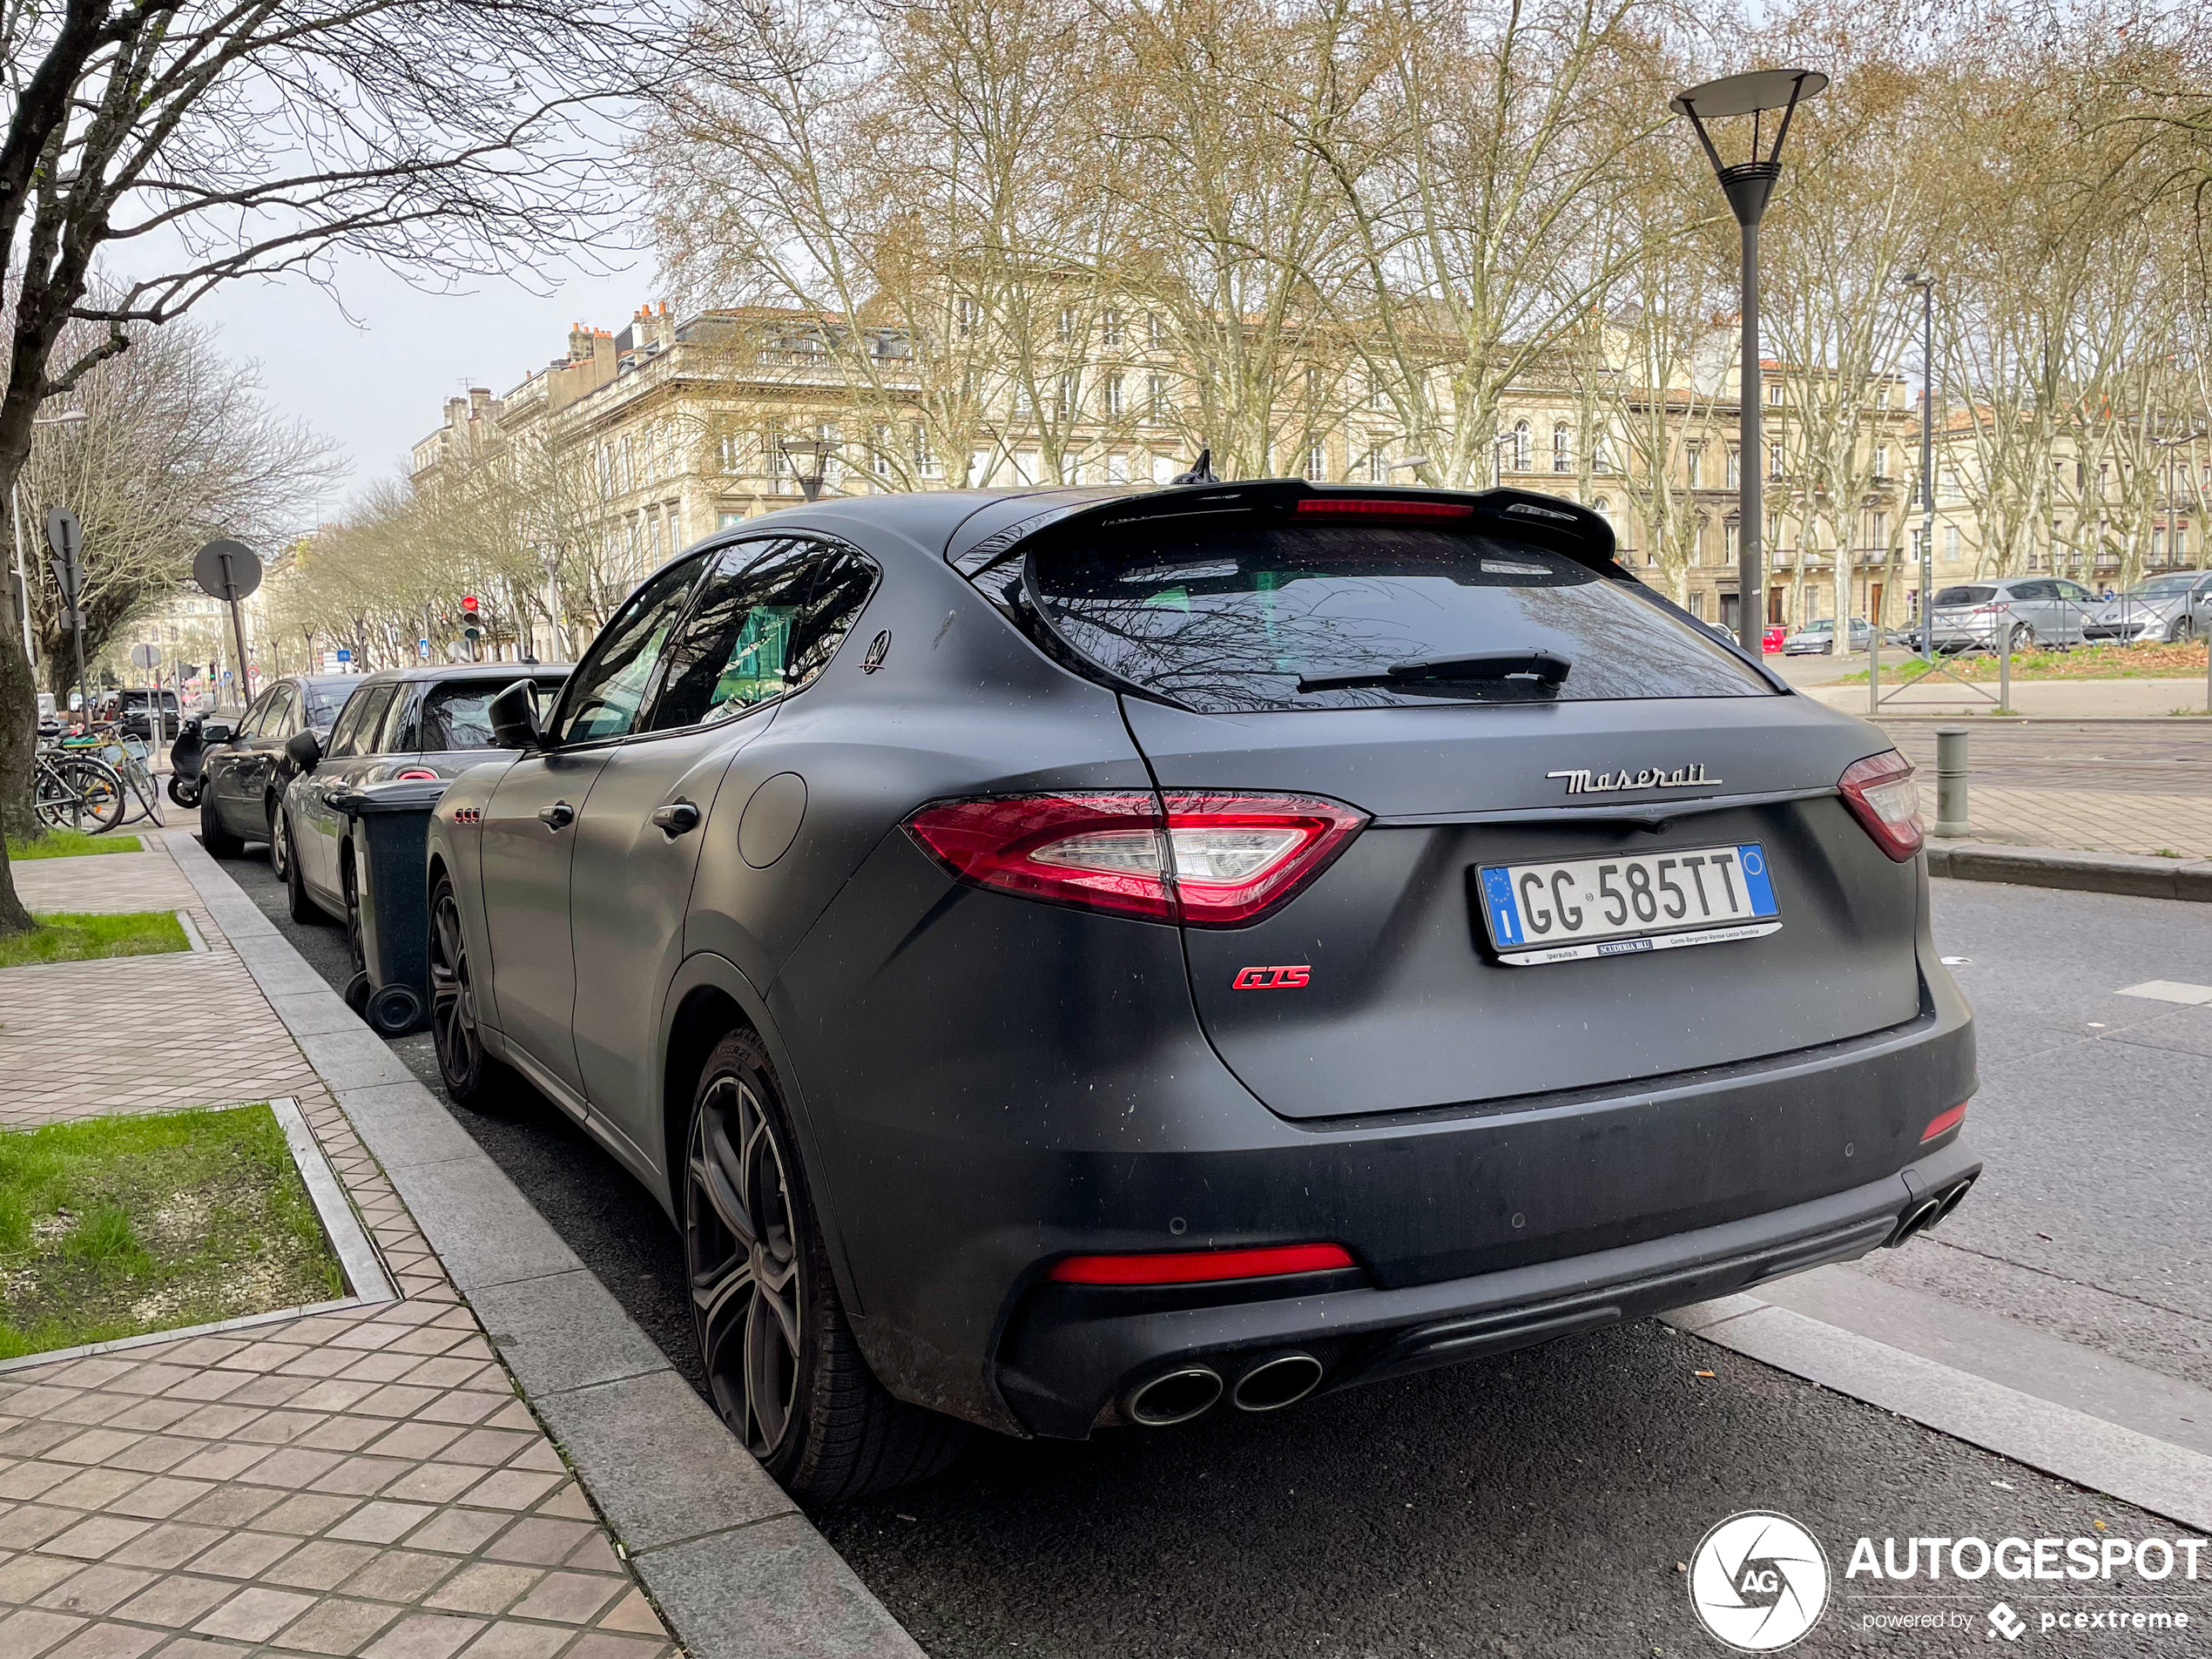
1819,638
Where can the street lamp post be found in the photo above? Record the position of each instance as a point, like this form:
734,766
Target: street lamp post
820,450
1926,285
75,417
1748,185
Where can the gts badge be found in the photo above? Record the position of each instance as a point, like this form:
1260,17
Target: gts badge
1272,979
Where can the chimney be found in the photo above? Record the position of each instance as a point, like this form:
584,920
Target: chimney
457,411
579,344
480,404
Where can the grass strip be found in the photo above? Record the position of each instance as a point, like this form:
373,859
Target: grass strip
75,937
119,1226
70,844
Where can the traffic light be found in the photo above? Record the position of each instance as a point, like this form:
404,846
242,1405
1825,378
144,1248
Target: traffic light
472,616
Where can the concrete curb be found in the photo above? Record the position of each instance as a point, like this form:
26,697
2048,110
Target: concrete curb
2136,1468
2055,867
736,1567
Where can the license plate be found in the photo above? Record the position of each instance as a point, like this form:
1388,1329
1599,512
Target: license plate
1580,908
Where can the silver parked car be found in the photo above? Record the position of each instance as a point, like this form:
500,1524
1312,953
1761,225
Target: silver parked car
2165,610
1819,638
2027,611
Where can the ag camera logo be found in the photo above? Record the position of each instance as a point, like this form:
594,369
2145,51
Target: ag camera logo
1758,1581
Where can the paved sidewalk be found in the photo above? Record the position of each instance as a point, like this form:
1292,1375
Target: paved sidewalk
365,1482
135,1034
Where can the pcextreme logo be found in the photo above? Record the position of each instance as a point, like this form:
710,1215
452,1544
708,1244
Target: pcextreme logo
1758,1581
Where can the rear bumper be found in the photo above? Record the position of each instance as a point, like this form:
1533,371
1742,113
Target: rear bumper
1071,1360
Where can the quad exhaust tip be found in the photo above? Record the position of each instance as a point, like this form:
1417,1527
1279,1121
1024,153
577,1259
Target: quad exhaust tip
1176,1397
1276,1383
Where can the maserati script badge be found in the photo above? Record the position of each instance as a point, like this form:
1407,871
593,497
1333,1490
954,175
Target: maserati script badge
1584,783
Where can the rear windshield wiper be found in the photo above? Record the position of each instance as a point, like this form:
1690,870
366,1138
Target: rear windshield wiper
1548,666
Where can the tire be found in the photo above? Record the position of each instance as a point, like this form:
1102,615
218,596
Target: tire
301,908
215,835
2022,638
472,1077
82,789
783,1367
2184,630
184,793
279,849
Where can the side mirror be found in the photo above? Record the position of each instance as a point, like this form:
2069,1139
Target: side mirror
216,731
304,750
513,715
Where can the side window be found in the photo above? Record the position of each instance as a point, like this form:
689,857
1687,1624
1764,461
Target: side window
276,715
251,725
617,674
767,621
398,736
357,727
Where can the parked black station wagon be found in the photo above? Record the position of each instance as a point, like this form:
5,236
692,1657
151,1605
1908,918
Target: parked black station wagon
399,723
1080,958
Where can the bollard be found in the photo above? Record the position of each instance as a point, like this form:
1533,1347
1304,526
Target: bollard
1951,783
2005,668
1873,665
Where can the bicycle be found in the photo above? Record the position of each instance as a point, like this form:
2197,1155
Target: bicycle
126,757
76,791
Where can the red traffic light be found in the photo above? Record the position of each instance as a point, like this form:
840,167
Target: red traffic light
469,603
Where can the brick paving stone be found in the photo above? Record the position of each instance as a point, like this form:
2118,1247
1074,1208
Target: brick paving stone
363,1484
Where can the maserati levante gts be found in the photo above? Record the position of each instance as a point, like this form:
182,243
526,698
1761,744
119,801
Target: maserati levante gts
1079,959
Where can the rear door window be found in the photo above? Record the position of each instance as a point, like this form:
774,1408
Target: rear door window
767,621
1278,617
457,714
359,720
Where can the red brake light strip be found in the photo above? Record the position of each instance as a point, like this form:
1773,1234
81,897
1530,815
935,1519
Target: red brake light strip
1201,1266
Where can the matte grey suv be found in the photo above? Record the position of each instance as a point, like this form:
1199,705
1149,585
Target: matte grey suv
1077,959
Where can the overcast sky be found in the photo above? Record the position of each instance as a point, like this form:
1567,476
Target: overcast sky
376,385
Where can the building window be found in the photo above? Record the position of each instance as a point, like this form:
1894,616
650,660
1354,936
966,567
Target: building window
1156,397
1774,391
1733,541
1317,463
1155,329
1774,461
1313,388
1116,399
880,459
2180,545
1070,397
1882,457
1116,469
726,520
968,317
1735,468
1377,467
1520,446
1377,394
1695,605
1163,469
1067,323
1602,451
1693,458
1109,328
926,462
1562,447
730,452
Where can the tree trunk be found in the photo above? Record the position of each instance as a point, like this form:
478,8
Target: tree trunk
18,743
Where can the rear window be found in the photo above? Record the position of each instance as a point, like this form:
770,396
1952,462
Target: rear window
325,699
1225,621
1964,596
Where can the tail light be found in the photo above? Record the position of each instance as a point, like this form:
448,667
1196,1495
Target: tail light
1207,860
413,772
1371,507
1881,794
1943,1123
1202,1267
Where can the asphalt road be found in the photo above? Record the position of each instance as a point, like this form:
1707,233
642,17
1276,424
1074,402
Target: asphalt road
1539,1504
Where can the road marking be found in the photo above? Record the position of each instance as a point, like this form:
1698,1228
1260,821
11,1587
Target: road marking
2168,990
2153,1474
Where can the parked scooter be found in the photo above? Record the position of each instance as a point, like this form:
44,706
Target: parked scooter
186,757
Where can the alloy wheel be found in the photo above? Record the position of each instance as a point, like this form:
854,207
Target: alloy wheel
743,1251
279,845
453,1000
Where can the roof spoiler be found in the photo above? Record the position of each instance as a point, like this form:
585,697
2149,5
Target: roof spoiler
1522,515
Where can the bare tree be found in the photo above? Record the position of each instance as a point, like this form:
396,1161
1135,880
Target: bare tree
196,142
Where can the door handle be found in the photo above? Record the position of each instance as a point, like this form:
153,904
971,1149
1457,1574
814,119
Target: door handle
559,815
677,817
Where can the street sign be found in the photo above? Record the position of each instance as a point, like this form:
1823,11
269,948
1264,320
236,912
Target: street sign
344,653
64,534
423,649
227,570
146,657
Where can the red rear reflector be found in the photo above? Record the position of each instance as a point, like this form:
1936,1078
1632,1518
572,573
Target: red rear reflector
1943,1123
1198,1266
1207,860
1881,794
1366,507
